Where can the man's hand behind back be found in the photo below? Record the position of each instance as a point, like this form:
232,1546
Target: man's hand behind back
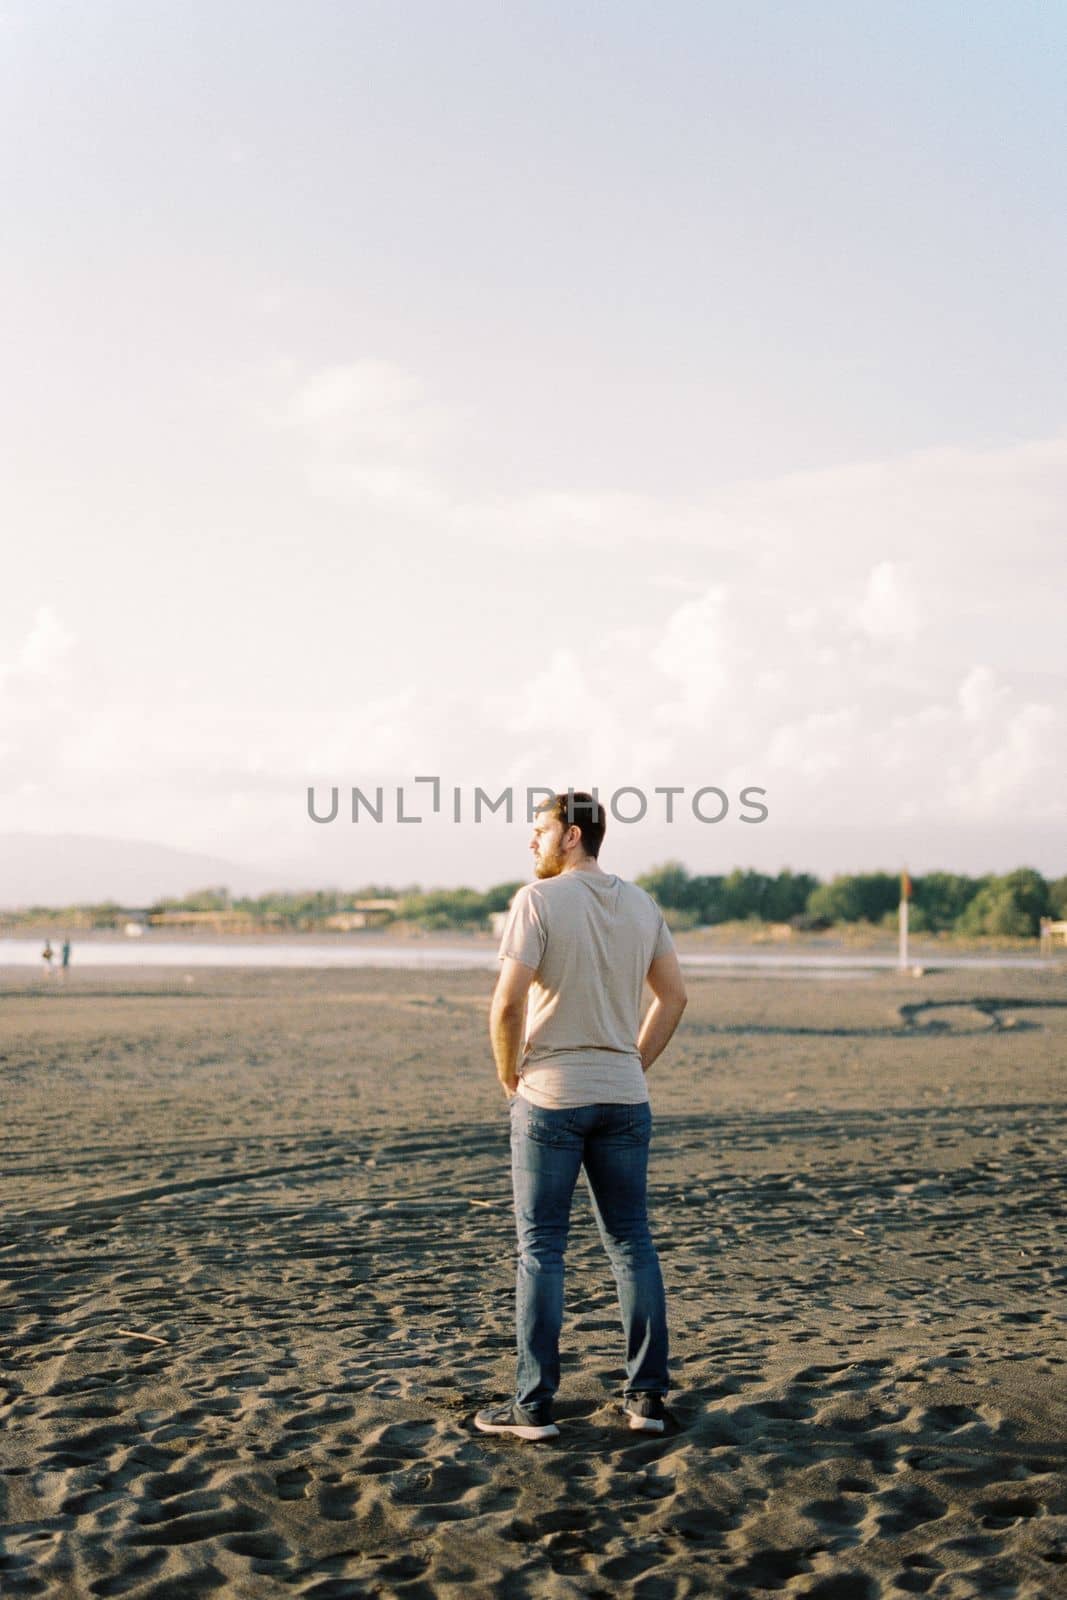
664,1014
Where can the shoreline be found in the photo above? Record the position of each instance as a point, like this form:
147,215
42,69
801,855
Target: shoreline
733,942
104,952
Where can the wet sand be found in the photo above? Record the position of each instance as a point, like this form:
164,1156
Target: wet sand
298,1184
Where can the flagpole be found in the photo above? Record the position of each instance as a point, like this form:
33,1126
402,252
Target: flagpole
905,894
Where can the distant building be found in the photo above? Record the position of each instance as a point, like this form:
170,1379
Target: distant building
212,921
363,914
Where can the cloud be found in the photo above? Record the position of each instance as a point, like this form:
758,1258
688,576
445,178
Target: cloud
44,650
700,655
887,523
877,637
369,437
888,610
37,711
814,746
980,697
1015,768
564,719
672,582
930,547
398,489
370,403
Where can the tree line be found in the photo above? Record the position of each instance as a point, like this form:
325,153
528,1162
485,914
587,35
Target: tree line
1010,905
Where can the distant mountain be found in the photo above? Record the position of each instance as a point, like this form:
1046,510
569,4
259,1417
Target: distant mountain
66,869
76,869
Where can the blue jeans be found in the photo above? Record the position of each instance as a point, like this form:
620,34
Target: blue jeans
548,1148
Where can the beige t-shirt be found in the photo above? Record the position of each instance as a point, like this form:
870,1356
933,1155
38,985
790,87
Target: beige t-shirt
591,937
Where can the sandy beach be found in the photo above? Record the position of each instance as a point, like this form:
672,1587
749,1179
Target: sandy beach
256,1258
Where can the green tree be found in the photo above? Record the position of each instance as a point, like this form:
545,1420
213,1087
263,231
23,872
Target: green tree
697,899
668,885
743,894
787,895
295,909
943,897
500,896
705,899
860,897
445,908
210,899
1010,907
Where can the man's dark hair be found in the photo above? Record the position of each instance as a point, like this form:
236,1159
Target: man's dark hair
576,809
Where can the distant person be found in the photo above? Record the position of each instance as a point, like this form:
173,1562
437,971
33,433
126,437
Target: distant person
46,956
579,944
64,957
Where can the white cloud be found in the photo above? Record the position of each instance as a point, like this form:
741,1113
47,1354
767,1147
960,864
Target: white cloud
814,746
671,581
399,489
45,648
1017,770
805,620
593,521
888,610
37,712
754,633
980,696
565,718
369,437
371,403
701,655
934,545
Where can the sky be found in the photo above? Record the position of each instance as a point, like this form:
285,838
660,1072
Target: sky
535,394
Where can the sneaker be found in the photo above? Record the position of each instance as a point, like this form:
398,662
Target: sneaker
646,1412
510,1418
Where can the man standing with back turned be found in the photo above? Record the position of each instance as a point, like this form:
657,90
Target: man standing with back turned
580,943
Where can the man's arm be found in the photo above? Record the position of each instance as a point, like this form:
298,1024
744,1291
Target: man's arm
665,1012
507,1019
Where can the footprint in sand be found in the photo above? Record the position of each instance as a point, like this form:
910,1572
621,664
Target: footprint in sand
836,1515
403,1440
135,1571
1008,1511
841,1586
196,1527
258,1546
769,1569
336,1500
293,1484
439,1483
902,1510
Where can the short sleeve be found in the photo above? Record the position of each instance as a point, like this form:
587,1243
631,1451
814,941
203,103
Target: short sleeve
664,942
525,934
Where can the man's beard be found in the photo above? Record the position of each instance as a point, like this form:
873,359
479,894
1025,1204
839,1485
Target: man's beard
549,866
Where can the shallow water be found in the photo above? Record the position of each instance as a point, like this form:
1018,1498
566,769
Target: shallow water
152,952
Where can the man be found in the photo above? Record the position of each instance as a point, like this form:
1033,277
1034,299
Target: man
579,943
